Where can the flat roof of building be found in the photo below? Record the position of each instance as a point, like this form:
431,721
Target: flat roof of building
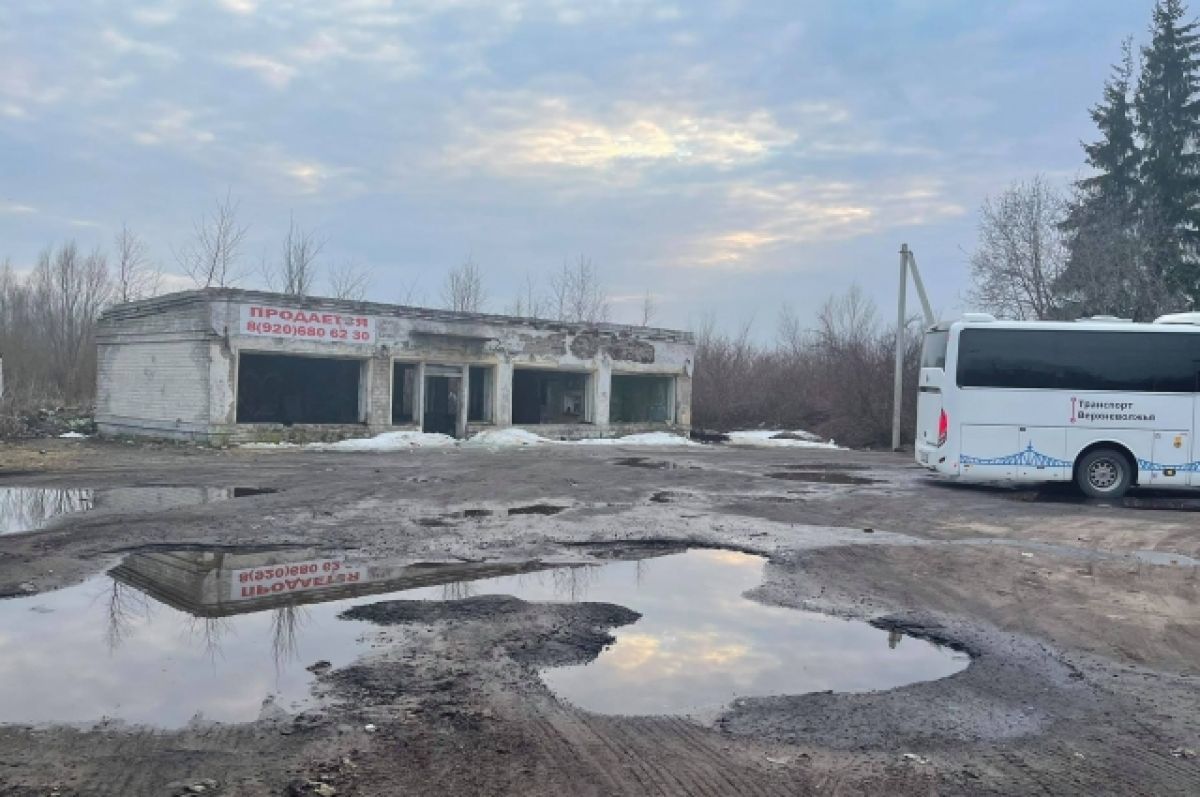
181,299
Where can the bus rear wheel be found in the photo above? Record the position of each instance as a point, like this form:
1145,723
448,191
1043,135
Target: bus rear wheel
1104,473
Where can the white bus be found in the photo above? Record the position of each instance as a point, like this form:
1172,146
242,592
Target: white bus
1106,403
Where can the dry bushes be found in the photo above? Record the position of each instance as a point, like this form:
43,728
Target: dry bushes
835,380
48,325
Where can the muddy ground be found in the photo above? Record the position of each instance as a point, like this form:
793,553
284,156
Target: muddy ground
1085,676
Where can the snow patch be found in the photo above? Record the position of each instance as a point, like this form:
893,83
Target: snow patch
777,438
645,439
507,438
389,441
493,438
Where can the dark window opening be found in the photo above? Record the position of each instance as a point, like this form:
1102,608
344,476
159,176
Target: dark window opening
549,397
441,405
274,388
404,394
479,406
641,399
1150,362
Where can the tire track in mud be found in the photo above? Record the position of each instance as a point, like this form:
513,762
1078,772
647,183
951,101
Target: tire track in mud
647,756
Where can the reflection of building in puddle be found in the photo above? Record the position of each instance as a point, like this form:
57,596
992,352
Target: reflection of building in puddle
33,508
223,583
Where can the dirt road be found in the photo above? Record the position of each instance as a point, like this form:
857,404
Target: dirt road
1082,622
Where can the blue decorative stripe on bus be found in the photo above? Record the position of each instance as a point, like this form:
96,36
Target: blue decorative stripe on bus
1187,467
1028,457
1035,459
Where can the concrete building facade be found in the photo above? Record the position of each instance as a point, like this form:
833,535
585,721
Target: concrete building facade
223,365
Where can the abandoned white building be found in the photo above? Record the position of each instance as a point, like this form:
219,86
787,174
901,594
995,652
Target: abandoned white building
224,365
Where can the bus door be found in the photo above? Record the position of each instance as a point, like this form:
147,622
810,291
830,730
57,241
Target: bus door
1194,461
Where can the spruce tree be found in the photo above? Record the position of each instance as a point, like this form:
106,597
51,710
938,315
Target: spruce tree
1115,157
1107,271
1169,127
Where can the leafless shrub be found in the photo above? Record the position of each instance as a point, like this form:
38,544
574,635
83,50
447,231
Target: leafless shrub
211,257
529,303
577,294
834,380
649,308
135,278
463,289
295,272
349,280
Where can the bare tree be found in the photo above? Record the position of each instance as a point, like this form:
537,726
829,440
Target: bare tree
349,280
463,289
411,293
529,303
296,271
68,291
649,308
210,258
577,293
135,278
1021,251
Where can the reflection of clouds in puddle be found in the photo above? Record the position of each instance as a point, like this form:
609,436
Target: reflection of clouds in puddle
700,643
732,558
634,651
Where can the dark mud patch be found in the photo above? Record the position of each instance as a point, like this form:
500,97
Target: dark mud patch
646,462
537,509
839,466
821,477
653,464
476,514
1148,499
532,634
478,608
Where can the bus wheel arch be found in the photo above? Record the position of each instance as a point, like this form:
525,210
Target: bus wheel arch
1098,469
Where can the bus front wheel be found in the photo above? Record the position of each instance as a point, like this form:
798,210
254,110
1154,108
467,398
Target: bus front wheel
1104,473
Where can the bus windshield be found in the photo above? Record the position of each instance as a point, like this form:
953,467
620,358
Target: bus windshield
933,352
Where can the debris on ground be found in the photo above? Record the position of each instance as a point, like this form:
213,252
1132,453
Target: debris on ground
65,422
188,788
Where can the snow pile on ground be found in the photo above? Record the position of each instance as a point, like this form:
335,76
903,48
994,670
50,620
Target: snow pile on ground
776,438
645,439
507,438
72,436
389,441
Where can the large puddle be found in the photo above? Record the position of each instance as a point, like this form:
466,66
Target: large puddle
33,508
167,637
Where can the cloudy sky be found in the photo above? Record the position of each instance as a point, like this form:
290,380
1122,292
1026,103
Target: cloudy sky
728,156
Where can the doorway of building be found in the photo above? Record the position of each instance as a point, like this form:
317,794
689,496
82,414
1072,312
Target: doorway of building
442,396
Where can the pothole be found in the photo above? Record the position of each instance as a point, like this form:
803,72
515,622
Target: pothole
33,508
700,643
169,636
477,513
821,477
536,509
646,462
